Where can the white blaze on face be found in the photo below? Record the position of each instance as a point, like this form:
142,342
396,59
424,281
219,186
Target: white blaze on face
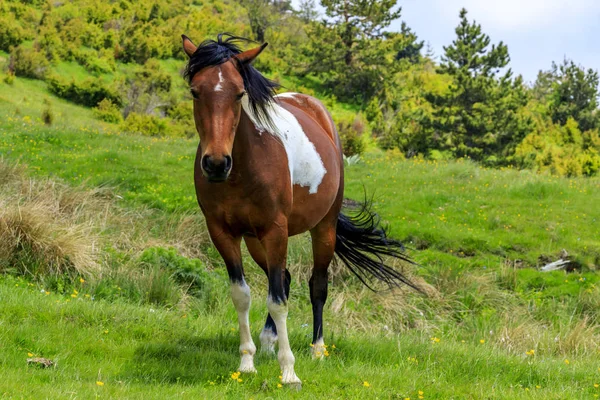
304,163
219,87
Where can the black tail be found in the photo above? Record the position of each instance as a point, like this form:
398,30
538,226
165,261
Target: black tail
361,244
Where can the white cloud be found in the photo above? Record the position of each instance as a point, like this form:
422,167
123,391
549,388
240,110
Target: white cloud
521,15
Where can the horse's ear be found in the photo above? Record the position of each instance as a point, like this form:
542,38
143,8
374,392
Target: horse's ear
188,46
248,56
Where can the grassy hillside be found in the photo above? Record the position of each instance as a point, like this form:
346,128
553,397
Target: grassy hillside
117,350
492,326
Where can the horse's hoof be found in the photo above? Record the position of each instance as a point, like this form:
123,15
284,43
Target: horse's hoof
295,386
247,365
319,351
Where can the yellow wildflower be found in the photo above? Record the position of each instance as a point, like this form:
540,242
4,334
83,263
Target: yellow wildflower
279,385
481,341
81,280
30,354
99,383
235,376
567,362
366,384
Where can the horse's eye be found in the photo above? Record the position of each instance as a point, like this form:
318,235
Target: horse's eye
194,94
239,96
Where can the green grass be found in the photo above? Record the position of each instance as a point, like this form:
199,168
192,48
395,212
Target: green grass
476,232
141,352
482,216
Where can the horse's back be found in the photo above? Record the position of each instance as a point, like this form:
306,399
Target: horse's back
315,109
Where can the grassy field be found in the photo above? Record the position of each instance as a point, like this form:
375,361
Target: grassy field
492,326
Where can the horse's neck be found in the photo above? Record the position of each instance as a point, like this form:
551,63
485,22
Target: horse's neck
244,144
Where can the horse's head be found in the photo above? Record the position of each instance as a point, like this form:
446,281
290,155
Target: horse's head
220,75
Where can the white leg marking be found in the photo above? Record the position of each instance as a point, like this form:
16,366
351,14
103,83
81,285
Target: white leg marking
318,349
240,294
286,358
268,338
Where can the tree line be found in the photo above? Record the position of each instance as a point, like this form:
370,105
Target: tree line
469,103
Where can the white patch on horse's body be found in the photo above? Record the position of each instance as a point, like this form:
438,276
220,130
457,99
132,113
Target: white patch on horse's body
304,163
279,313
268,338
318,349
218,87
240,294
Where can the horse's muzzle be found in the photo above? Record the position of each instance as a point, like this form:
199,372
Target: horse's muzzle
216,170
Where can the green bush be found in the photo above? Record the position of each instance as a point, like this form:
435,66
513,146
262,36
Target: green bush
148,125
11,33
351,134
9,79
109,112
190,273
48,115
28,63
89,92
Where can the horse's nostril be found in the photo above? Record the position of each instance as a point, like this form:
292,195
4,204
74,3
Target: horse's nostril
227,163
207,164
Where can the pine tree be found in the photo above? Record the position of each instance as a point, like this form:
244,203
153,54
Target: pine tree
479,116
353,51
574,94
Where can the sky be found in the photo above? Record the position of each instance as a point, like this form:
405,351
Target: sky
536,32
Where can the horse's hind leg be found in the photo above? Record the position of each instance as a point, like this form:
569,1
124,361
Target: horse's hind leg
323,243
268,336
229,248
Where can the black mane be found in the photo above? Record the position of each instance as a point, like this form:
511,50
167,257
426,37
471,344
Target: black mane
259,89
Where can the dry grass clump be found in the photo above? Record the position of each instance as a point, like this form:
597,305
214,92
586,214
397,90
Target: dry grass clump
45,226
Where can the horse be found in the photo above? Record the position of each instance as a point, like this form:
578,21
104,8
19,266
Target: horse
269,167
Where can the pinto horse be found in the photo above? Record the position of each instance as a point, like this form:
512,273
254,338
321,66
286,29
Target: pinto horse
269,167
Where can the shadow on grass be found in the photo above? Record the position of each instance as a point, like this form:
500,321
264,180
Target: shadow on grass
185,360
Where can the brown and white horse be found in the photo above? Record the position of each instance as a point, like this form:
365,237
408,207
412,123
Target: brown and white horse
269,167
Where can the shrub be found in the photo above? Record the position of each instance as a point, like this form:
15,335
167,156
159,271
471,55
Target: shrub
109,112
28,63
48,115
89,93
148,125
9,79
351,134
191,273
11,33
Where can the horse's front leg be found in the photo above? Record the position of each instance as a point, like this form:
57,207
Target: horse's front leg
229,248
275,242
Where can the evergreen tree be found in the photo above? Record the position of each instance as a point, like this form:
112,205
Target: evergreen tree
479,115
574,94
307,11
352,50
412,49
263,14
